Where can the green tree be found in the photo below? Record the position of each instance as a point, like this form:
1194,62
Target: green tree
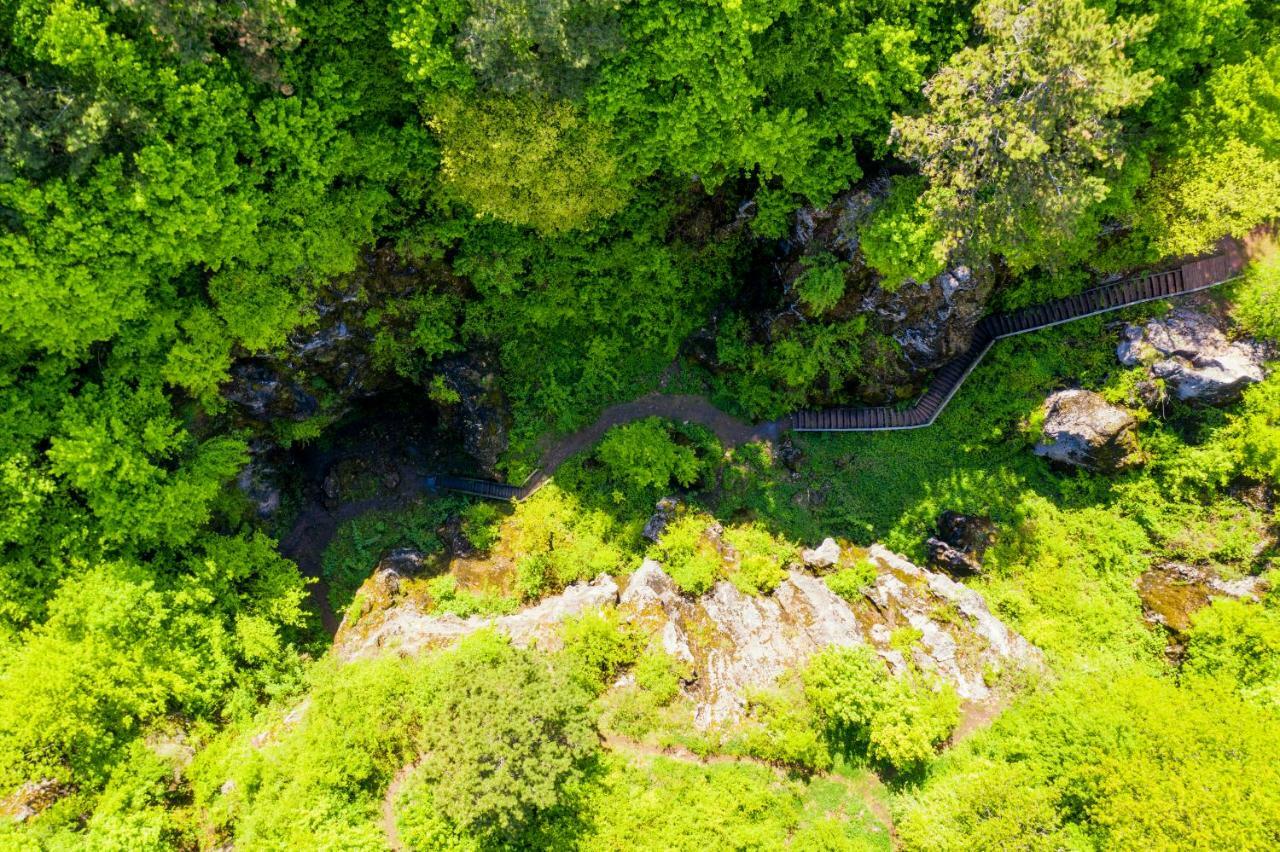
644,456
902,240
1021,131
527,162
503,740
551,48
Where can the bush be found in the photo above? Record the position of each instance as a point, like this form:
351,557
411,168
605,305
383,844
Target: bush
644,457
528,162
762,558
897,721
821,285
688,556
902,239
1258,300
597,645
1107,761
849,582
1237,643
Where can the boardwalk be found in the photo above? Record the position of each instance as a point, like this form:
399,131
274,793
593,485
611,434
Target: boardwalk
1190,277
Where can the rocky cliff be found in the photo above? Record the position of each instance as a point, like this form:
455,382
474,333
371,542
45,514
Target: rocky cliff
733,642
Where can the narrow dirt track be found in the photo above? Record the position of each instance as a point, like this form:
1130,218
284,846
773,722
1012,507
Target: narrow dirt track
861,789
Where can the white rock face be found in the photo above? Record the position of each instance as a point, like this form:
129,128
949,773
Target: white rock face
736,643
1188,349
406,629
823,556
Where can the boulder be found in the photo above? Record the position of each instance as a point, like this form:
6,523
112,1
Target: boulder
1083,429
960,542
736,643
918,325
1189,351
823,556
663,513
480,413
259,482
321,368
33,797
455,539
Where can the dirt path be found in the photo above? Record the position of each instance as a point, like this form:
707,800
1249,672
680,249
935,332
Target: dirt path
315,526
864,789
731,431
389,828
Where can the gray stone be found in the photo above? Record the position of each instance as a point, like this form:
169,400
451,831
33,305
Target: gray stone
1083,429
1188,349
960,543
663,513
405,628
481,413
823,556
736,643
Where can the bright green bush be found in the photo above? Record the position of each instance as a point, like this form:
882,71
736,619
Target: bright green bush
1258,301
821,285
597,645
1107,761
899,721
1238,644
849,582
688,556
762,558
503,739
644,456
902,240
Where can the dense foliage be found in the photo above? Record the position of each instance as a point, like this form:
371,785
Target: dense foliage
589,196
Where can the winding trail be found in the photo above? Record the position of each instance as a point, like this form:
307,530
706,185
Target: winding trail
316,525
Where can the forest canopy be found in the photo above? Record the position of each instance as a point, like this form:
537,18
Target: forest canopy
551,207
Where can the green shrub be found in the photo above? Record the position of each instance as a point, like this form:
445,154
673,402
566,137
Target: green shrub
762,558
660,675
902,240
899,721
481,523
1238,644
821,285
1257,304
850,582
688,556
447,597
560,541
597,645
780,729
1107,761
644,457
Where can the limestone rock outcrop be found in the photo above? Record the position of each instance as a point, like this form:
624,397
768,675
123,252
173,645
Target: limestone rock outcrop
1083,429
734,642
1188,349
407,628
